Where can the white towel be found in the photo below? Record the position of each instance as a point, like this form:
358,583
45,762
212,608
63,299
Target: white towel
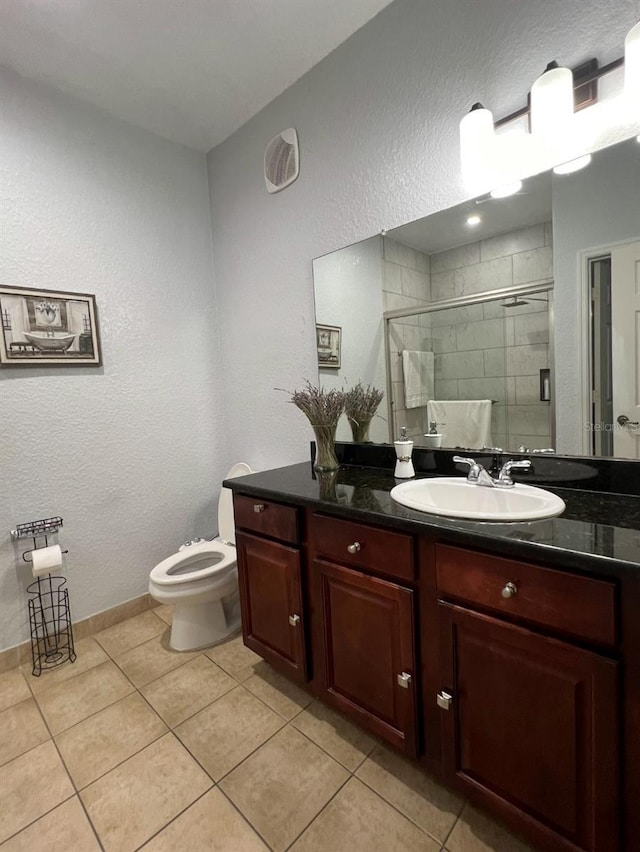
466,422
418,373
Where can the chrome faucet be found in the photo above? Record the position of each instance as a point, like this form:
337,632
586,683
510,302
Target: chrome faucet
478,475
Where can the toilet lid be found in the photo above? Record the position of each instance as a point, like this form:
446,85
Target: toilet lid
226,526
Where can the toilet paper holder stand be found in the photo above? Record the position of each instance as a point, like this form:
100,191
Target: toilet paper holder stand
49,612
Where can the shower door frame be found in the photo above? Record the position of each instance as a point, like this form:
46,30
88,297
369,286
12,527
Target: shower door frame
545,286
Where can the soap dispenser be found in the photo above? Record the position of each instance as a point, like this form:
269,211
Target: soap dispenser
404,448
433,438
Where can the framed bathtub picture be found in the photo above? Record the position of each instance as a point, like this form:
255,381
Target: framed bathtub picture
328,343
48,328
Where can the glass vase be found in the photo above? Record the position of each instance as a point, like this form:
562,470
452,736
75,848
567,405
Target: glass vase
360,430
326,458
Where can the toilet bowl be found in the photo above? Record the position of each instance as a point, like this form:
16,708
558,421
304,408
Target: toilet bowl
201,582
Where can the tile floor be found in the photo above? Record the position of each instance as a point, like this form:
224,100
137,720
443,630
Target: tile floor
135,746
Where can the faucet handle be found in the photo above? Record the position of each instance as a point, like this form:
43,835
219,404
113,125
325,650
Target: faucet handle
474,467
504,477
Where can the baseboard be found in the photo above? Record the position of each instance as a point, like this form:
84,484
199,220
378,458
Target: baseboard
21,654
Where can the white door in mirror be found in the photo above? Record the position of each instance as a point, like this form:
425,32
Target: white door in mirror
454,497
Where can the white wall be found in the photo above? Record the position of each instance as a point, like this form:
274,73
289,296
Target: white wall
592,209
378,127
131,454
348,293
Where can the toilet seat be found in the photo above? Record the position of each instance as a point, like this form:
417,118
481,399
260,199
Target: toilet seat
209,559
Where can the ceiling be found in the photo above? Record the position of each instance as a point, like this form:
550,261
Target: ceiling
192,71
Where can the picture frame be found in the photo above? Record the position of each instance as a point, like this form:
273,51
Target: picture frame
329,346
48,328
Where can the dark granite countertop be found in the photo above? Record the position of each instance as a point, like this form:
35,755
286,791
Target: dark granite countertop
598,533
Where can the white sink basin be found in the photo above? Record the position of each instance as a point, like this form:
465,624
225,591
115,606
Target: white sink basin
456,498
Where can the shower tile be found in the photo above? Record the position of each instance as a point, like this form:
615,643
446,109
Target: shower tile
527,360
489,275
514,242
455,258
535,265
392,277
443,286
530,419
494,362
460,365
527,390
487,334
531,328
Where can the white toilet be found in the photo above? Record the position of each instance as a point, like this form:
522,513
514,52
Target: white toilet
201,582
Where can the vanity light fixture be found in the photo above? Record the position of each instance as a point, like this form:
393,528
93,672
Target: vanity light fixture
559,137
473,220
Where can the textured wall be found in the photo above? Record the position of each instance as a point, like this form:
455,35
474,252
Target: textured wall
378,126
131,455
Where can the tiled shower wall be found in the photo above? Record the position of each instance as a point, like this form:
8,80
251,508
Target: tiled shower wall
489,351
482,351
406,285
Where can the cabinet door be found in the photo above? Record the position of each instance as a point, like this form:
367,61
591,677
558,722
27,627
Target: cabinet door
531,728
367,645
271,602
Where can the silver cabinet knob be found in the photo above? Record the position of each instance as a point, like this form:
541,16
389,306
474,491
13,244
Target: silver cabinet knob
510,590
444,700
258,507
294,620
355,547
404,680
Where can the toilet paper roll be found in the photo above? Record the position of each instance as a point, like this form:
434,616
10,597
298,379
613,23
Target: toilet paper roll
46,560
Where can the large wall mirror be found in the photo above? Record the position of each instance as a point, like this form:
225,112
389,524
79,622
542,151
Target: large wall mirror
511,323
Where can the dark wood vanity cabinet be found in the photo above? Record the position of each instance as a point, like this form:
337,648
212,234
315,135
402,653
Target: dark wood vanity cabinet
530,728
365,651
501,676
529,710
364,639
270,580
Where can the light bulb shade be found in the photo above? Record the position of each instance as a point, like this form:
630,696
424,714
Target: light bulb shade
632,64
477,137
552,103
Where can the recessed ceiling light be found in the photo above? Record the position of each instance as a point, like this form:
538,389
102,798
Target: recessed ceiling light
573,165
507,189
474,220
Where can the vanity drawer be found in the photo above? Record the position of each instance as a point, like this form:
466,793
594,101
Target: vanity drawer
270,519
572,604
349,543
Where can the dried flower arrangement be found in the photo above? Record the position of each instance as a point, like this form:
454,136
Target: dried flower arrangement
360,406
323,409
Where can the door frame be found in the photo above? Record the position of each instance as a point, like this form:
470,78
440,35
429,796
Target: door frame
585,343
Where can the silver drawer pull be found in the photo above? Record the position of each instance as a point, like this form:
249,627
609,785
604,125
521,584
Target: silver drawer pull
444,700
404,680
258,507
510,590
355,547
294,620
